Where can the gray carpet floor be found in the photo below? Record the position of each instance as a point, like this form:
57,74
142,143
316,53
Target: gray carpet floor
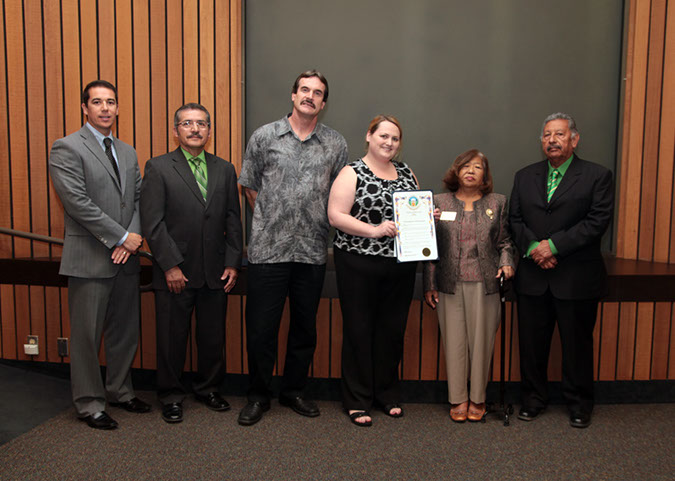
631,442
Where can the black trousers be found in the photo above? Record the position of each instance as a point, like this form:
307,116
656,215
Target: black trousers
267,289
375,295
174,313
536,321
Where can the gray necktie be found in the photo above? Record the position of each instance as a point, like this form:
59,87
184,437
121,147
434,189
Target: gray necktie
108,151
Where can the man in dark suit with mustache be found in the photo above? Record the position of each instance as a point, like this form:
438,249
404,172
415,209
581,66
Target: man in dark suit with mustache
560,209
190,216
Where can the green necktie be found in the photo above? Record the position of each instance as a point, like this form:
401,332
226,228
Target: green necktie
552,184
199,174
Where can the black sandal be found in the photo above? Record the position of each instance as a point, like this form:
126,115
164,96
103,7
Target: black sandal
359,414
389,407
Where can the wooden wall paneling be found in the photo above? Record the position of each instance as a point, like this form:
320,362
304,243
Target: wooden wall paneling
16,108
633,129
107,69
412,342
236,84
221,58
141,63
89,21
650,149
36,294
671,349
52,323
148,341
660,340
643,341
6,242
321,361
125,71
429,344
234,336
72,83
206,66
158,92
609,325
8,333
54,111
667,142
336,337
663,223
174,62
22,313
626,341
190,51
36,121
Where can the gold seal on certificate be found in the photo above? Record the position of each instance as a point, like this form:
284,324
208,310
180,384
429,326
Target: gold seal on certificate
415,228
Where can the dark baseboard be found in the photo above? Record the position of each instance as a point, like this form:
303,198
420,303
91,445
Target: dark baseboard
606,392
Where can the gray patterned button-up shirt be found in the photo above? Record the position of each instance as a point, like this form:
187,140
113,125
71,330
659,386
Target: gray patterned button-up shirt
293,180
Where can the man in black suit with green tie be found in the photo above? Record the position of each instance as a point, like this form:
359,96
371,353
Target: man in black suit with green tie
190,216
560,209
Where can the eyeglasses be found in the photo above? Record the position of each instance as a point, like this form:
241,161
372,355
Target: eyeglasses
186,124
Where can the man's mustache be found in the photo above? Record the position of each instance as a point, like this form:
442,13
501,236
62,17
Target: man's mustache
309,102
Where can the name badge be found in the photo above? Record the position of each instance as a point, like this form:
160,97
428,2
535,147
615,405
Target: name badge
447,215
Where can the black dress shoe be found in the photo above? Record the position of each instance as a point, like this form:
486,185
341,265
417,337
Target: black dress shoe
213,400
172,412
252,412
528,413
100,420
300,406
134,405
580,420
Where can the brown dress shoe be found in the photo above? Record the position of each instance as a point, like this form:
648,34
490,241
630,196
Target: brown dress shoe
458,412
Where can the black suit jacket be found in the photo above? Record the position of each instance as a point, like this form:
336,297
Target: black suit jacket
578,215
201,237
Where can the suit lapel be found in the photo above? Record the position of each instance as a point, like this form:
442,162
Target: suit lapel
95,148
540,179
180,164
213,174
569,179
122,164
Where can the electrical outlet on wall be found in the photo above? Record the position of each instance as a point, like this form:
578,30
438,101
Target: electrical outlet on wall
31,348
62,346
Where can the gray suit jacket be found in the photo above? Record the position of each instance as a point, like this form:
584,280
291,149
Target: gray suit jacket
495,248
99,210
182,229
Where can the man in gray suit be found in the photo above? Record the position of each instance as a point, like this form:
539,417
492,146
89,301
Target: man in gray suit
98,180
190,215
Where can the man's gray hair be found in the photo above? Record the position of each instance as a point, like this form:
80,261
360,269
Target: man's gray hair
571,124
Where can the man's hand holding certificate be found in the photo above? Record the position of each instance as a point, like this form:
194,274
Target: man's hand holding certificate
416,231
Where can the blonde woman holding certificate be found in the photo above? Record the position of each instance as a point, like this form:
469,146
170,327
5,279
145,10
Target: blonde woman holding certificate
375,290
475,249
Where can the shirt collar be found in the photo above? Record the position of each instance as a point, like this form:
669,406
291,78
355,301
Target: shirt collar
285,127
189,156
563,168
99,136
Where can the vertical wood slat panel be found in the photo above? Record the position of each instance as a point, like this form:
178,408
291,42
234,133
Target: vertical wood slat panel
16,111
106,43
141,86
36,125
72,86
221,129
609,342
652,113
158,94
89,40
236,84
190,51
5,190
661,339
125,71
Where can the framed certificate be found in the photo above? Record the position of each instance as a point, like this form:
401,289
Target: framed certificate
415,228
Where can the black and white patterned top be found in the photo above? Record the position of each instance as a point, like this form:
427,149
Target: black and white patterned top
293,180
373,205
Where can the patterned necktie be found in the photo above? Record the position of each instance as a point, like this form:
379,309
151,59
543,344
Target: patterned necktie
108,151
199,174
552,184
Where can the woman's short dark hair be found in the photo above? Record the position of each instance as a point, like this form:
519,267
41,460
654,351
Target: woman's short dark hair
451,179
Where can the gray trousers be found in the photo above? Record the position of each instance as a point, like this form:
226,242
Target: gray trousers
468,320
107,308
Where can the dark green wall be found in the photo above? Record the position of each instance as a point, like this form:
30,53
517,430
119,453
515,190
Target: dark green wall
457,74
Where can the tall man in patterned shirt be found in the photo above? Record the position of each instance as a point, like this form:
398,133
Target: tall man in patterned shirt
287,172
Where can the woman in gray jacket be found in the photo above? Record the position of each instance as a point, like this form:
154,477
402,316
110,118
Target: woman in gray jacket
475,249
